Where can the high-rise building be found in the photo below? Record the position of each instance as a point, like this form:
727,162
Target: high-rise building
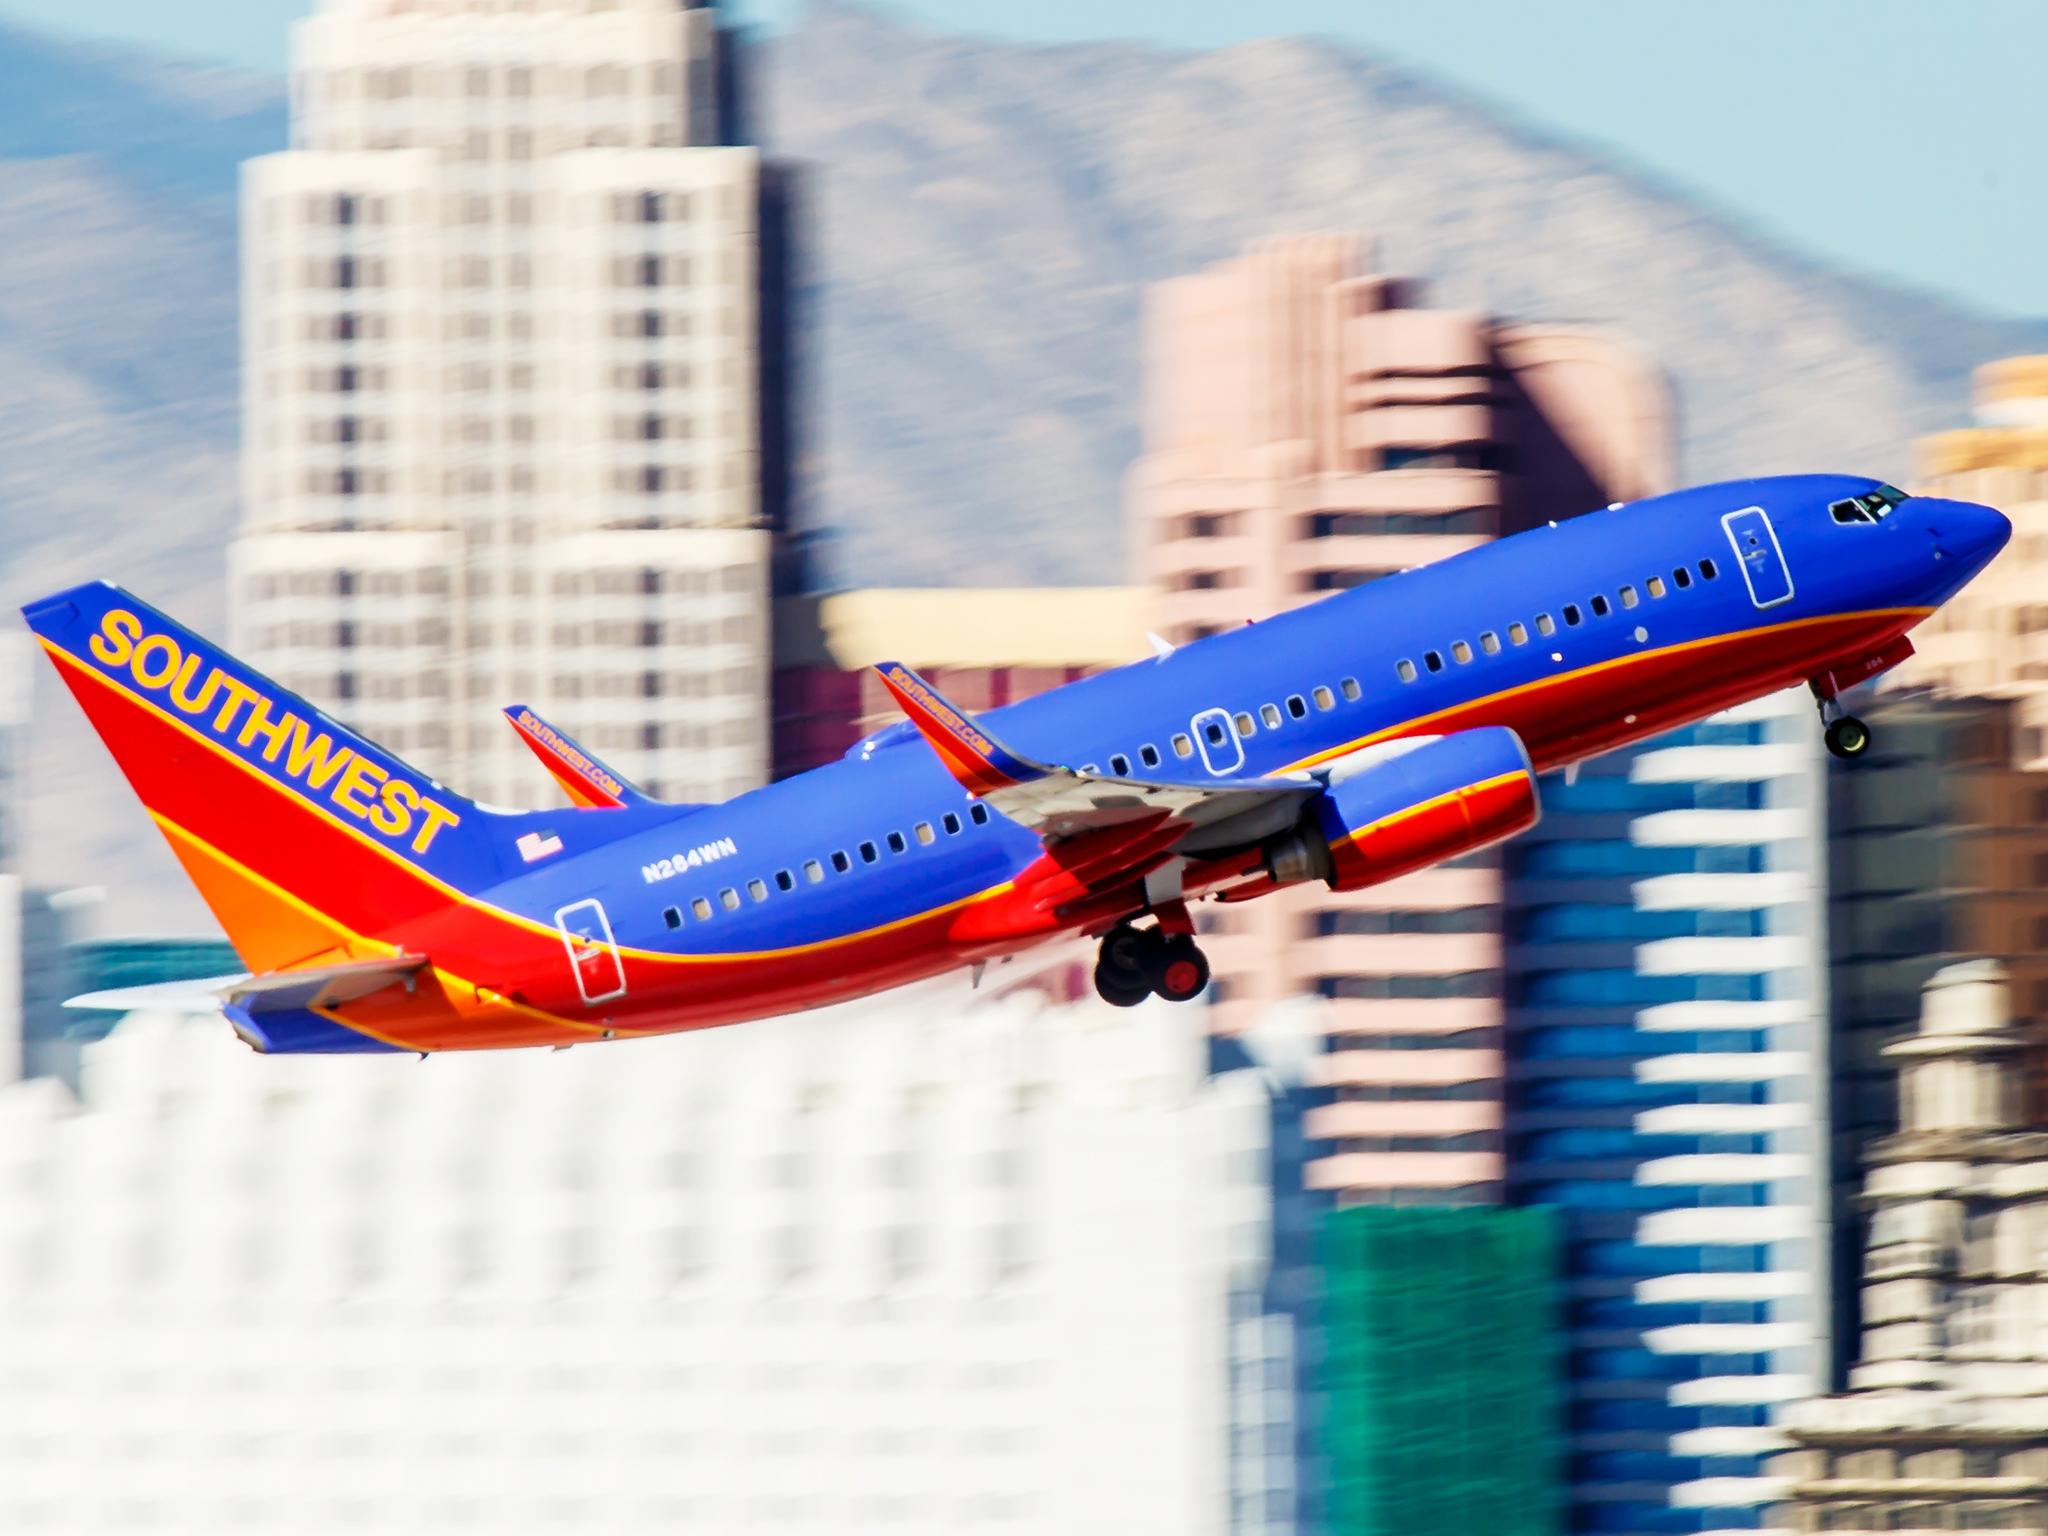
1992,638
1309,428
1667,1065
983,647
502,367
917,1266
1945,1423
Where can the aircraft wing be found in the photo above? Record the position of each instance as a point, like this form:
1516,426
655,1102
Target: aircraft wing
1062,804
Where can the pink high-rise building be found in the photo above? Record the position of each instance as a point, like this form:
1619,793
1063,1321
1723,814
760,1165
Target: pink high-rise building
1308,428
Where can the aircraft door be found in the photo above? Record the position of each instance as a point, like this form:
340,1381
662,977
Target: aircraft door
1217,740
1763,562
593,953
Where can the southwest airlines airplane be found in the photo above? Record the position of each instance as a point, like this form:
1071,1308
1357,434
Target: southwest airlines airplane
1364,736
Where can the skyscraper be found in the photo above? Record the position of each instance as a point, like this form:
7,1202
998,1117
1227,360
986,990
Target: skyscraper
1309,428
501,372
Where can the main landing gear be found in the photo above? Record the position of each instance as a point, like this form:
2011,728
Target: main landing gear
1136,963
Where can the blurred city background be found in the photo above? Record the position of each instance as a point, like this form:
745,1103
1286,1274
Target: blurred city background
1679,1168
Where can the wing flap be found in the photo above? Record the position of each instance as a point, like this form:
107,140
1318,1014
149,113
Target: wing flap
315,986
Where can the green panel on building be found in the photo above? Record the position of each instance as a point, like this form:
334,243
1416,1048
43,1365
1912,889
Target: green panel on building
1442,1400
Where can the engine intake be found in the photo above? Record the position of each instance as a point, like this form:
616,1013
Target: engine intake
1441,797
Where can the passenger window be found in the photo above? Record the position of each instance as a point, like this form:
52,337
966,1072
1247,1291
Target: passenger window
784,880
1683,577
1601,606
924,834
700,908
1460,652
1270,713
869,853
951,823
1405,670
1518,633
1323,697
1214,731
1433,660
1489,642
1297,706
1545,624
1628,597
1091,768
1349,688
813,871
1182,747
758,889
1572,614
1707,569
1244,724
840,861
672,916
1149,755
896,842
1656,586
729,899
978,813
1120,765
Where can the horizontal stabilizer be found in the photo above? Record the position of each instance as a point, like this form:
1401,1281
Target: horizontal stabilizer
588,782
317,986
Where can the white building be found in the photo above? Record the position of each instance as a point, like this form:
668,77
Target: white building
501,403
919,1267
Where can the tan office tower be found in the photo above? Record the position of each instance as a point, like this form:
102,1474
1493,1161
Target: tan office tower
1992,637
501,415
1308,429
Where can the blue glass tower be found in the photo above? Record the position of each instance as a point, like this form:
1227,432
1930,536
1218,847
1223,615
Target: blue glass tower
1662,997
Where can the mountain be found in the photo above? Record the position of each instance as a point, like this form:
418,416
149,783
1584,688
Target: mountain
988,214
982,218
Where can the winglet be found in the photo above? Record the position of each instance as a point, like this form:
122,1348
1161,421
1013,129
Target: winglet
980,762
588,782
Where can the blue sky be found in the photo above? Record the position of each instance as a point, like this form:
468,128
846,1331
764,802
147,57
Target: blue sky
1903,137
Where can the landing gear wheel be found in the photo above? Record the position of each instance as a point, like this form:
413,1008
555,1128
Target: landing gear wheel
1179,971
1118,987
1847,737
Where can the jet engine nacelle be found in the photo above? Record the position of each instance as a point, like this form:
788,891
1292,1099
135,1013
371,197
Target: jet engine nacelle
1404,805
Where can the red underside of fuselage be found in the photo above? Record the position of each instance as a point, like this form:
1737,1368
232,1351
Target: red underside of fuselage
498,980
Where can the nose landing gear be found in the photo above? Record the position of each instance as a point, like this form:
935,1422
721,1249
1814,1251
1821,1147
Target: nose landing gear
1136,963
1847,737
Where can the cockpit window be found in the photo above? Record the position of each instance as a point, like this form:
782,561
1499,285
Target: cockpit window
1871,507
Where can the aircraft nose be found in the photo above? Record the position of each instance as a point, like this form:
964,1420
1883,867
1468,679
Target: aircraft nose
1965,530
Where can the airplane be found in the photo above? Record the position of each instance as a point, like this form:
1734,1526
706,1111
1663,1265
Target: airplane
1368,734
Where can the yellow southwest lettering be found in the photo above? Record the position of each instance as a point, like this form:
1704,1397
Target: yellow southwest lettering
181,686
313,759
360,787
396,801
274,732
115,643
360,777
438,816
145,673
239,693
